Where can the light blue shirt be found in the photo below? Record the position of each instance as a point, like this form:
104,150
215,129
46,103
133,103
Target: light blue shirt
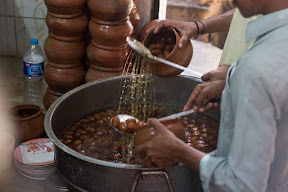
252,152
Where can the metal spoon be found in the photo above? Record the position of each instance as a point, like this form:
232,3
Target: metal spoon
124,117
144,51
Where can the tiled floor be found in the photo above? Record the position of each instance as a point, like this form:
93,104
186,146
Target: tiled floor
205,58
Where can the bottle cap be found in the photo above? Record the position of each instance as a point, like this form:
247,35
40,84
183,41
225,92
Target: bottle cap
34,41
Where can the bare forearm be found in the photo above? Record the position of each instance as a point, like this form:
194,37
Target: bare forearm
190,156
218,23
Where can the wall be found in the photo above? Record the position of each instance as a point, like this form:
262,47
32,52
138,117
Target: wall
190,10
21,20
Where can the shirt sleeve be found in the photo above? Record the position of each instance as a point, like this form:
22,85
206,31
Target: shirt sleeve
247,166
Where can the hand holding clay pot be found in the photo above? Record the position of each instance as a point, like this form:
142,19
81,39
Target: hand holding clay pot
165,44
157,140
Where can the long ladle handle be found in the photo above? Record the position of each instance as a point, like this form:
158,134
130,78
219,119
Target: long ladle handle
177,66
177,115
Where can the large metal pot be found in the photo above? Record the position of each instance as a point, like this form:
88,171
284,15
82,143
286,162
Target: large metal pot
88,174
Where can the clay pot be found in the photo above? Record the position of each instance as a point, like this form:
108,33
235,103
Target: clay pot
113,59
148,25
146,132
72,29
62,66
64,52
93,74
134,18
111,37
29,122
110,10
50,97
179,56
65,8
63,79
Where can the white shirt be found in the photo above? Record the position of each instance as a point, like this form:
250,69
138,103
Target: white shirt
235,44
252,152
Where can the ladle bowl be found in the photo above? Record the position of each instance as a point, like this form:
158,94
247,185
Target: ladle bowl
124,117
122,121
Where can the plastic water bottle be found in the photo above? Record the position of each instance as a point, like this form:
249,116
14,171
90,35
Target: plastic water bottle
33,67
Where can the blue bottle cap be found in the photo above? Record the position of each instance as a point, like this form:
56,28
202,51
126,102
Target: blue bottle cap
34,41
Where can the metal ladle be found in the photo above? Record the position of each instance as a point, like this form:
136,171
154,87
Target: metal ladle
145,52
124,117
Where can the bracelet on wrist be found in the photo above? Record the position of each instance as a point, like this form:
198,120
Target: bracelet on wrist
197,29
203,31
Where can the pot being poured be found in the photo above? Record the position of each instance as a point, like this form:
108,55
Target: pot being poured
89,174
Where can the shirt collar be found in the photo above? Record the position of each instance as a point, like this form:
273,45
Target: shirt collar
266,24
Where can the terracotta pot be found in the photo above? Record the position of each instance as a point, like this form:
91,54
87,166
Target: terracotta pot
29,122
134,18
148,25
50,97
181,56
63,79
101,57
94,74
65,8
110,10
62,66
146,132
111,37
72,29
64,52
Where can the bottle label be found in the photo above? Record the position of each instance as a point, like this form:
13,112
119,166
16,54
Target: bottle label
33,70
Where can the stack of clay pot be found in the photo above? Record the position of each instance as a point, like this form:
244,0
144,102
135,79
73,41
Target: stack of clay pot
134,18
109,26
64,47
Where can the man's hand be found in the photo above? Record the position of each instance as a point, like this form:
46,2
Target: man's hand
203,93
162,150
187,29
217,74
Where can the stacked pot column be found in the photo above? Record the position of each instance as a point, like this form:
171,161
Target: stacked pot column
64,47
109,26
134,18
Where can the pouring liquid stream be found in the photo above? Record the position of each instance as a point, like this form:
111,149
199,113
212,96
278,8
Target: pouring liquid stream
139,91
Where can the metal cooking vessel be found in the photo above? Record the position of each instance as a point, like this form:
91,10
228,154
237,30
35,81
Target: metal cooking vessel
89,174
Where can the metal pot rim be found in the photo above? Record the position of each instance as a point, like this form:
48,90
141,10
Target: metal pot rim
58,143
